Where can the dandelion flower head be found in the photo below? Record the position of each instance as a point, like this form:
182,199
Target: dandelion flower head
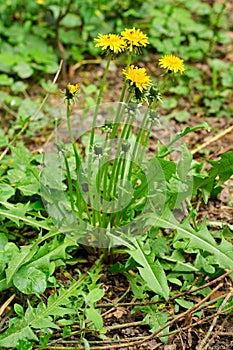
73,88
138,77
134,38
172,63
112,42
71,91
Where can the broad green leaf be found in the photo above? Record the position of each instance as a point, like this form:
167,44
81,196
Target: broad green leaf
202,263
3,138
15,333
4,285
150,270
196,239
222,168
184,164
19,309
16,211
18,259
94,295
30,280
3,241
184,303
180,116
34,317
23,70
45,323
6,80
202,239
15,217
86,344
94,316
71,20
174,281
156,320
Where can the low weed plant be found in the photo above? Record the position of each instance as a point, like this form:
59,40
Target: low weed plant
99,188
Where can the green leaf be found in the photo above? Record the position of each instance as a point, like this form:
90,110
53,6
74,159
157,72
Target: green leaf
18,259
71,20
40,316
6,192
11,337
30,280
180,116
184,303
170,103
94,295
15,217
196,239
222,168
94,316
16,211
45,323
156,320
18,87
150,270
86,344
19,309
23,70
202,263
184,164
6,80
3,138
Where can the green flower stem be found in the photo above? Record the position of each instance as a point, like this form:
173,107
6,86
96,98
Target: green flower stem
146,141
70,185
118,113
98,186
98,101
118,117
123,177
90,156
77,160
138,139
113,179
162,85
80,202
125,133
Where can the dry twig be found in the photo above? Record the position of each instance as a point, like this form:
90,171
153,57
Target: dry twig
213,139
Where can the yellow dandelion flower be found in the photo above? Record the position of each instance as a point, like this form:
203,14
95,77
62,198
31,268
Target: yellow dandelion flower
135,38
40,2
112,42
73,88
137,77
172,63
71,91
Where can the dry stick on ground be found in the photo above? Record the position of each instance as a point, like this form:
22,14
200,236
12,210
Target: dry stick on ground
26,125
7,302
110,328
218,331
198,323
151,336
216,280
213,139
138,323
204,345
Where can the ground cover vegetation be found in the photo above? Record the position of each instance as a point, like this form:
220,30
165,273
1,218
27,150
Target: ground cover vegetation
116,230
